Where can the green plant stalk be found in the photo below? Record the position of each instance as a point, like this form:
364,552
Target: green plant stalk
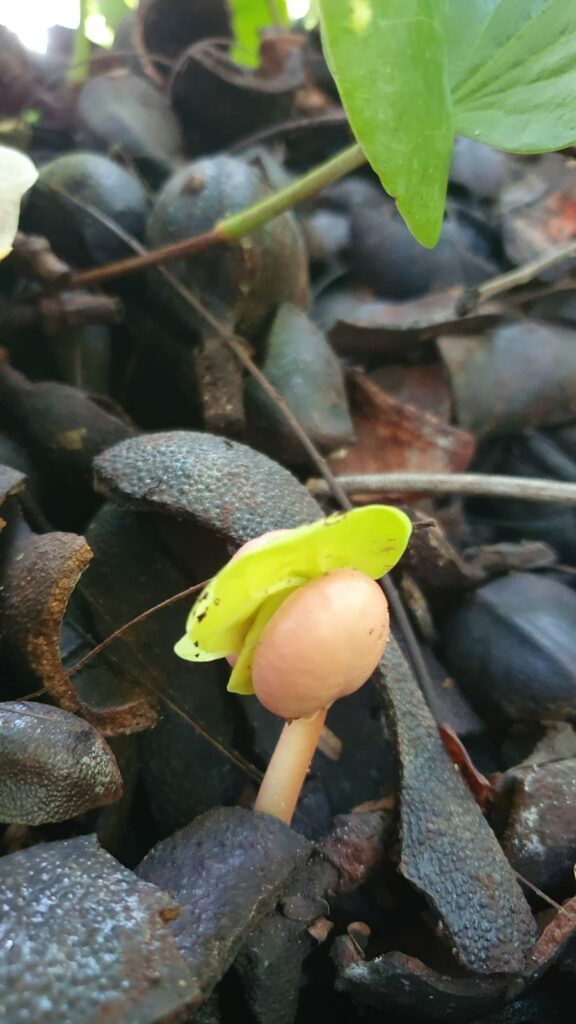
81,54
278,13
232,228
243,223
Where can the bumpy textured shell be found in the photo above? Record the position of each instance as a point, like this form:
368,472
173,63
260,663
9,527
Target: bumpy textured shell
218,483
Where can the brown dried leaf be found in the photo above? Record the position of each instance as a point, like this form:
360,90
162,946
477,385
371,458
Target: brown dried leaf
559,933
38,575
477,783
362,327
538,211
393,436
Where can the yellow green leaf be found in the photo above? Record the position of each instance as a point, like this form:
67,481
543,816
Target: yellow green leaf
369,539
241,679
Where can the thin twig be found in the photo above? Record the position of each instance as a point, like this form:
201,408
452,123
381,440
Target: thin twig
295,124
145,680
484,485
134,622
543,896
232,755
473,297
148,258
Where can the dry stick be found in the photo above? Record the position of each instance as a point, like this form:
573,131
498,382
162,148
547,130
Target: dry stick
519,487
134,622
234,227
472,297
543,896
232,755
316,458
295,124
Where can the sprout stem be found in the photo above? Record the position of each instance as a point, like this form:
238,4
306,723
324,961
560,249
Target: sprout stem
79,69
288,766
235,225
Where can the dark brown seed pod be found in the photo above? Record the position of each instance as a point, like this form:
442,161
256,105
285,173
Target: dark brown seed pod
219,102
303,367
104,948
125,112
243,282
520,376
223,905
54,765
385,256
512,648
164,28
190,476
74,234
540,833
61,427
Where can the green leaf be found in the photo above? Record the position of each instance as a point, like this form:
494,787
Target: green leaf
412,73
516,89
465,22
241,678
369,539
249,18
389,61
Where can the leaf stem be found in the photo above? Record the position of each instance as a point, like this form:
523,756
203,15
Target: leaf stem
243,223
276,13
230,229
81,54
288,766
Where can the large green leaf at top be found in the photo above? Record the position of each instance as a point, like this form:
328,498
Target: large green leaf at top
517,87
413,73
389,62
465,23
